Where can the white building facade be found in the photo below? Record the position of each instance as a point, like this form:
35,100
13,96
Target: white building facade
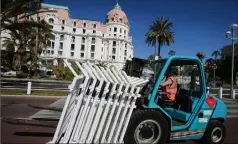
88,40
85,39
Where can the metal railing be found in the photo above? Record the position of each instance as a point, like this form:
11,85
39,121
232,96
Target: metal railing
221,93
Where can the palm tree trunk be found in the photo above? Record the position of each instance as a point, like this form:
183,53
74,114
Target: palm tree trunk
159,46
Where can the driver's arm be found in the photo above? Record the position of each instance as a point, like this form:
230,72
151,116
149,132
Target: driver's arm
167,82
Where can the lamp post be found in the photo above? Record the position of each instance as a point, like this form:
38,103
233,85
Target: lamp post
231,35
214,74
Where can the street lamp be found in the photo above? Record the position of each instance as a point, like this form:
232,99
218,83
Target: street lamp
214,74
231,35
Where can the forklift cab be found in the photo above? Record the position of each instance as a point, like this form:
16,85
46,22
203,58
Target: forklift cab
193,107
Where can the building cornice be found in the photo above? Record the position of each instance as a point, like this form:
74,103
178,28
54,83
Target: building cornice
93,35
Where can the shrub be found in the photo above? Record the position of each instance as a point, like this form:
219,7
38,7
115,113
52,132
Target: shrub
21,74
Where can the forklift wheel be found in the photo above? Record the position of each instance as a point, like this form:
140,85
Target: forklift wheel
215,132
146,126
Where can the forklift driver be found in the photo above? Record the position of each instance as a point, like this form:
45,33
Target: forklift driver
169,86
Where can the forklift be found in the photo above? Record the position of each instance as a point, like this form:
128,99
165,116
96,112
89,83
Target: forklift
195,114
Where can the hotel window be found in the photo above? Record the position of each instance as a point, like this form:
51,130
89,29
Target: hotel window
48,51
72,47
48,43
115,35
82,47
125,45
73,39
52,44
52,52
93,40
84,31
115,29
83,40
81,55
94,25
102,48
114,51
61,45
61,37
74,23
113,57
60,52
74,29
125,53
110,29
62,28
72,54
120,30
94,31
63,22
92,55
92,48
53,37
124,31
51,20
114,43
84,24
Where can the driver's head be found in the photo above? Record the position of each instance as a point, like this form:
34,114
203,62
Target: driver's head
168,72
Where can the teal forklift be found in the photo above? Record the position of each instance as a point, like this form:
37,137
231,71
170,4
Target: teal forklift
194,115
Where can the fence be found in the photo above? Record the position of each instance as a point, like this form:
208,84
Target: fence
223,92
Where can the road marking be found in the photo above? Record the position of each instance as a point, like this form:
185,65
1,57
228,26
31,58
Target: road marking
49,114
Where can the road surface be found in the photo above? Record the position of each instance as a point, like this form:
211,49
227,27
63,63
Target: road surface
15,107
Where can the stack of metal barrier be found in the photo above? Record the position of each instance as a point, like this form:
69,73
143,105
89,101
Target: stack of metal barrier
99,105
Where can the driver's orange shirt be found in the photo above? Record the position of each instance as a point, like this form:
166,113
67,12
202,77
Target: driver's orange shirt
171,89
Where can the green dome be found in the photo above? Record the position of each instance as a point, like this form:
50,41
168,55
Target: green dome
117,6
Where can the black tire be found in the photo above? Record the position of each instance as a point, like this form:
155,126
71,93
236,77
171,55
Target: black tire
214,125
149,116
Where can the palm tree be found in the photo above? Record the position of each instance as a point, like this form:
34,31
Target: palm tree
216,53
160,32
171,53
14,10
24,41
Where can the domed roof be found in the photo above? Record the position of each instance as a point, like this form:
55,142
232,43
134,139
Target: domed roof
117,15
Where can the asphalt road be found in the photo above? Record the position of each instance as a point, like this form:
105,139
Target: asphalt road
15,107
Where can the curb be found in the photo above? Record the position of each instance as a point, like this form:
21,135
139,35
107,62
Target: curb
33,96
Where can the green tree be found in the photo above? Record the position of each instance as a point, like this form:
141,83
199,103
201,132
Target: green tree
216,53
171,53
160,32
24,41
14,10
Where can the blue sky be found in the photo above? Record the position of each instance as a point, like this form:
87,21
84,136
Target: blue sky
199,25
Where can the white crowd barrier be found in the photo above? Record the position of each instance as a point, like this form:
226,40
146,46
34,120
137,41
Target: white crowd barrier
99,105
221,93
